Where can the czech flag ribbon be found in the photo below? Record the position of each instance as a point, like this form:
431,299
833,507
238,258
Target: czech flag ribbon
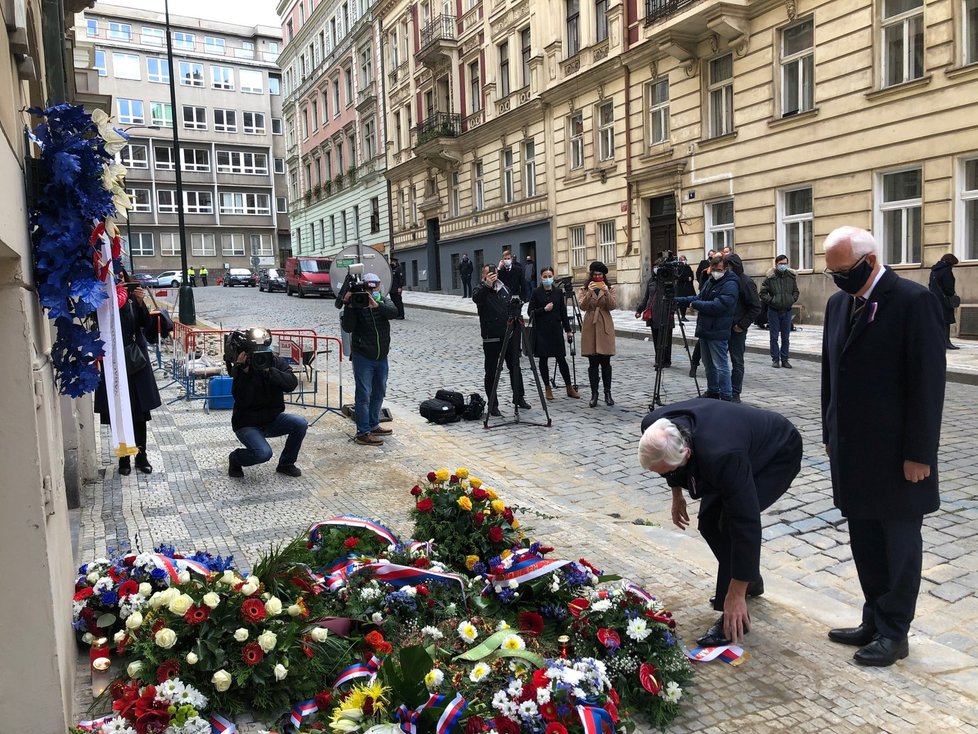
220,725
453,712
95,724
395,575
637,591
732,654
526,567
407,718
358,670
595,720
352,521
301,710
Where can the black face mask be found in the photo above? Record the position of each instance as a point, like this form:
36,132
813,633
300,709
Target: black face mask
855,279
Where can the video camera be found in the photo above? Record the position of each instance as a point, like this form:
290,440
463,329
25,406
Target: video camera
356,285
256,343
666,271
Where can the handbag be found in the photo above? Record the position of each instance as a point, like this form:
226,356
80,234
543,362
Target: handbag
954,301
136,360
647,314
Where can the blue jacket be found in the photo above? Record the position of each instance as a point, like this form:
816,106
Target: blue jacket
715,307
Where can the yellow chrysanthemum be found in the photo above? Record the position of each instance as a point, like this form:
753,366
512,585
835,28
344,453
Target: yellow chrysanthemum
506,554
470,562
359,695
465,503
513,642
462,473
442,475
492,493
475,482
498,507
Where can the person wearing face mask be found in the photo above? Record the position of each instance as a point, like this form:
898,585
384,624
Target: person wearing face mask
684,285
551,330
598,300
494,303
779,292
748,306
883,376
661,320
703,270
716,305
465,269
513,276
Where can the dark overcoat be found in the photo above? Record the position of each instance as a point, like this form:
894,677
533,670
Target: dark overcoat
655,299
684,286
882,398
549,327
942,285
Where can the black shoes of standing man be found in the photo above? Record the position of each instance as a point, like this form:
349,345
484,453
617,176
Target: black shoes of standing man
874,649
142,463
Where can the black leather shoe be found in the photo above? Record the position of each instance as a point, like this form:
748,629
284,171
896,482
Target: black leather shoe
494,412
234,469
951,346
714,636
776,364
125,467
290,470
858,636
521,403
142,463
882,652
786,364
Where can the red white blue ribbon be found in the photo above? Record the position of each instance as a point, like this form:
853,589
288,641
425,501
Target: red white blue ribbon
220,725
732,654
453,712
338,572
95,724
352,521
596,720
301,710
637,591
421,548
358,670
395,575
526,567
407,718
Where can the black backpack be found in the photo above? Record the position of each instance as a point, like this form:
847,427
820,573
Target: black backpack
438,411
473,411
453,397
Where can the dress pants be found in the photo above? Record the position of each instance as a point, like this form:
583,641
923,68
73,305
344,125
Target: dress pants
779,325
737,346
492,350
467,287
664,359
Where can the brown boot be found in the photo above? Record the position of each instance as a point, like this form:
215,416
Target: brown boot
548,393
572,393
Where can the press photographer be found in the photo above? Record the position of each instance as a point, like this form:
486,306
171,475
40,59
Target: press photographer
261,380
497,304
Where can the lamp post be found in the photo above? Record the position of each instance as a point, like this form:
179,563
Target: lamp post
188,310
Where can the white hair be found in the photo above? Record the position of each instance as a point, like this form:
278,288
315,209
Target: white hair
861,241
661,442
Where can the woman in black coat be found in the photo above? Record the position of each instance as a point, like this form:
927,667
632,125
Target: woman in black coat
662,322
551,328
942,286
144,395
684,285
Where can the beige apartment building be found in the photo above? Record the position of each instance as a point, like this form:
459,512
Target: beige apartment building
685,125
231,129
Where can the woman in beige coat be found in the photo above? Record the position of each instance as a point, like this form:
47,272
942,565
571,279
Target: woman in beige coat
598,331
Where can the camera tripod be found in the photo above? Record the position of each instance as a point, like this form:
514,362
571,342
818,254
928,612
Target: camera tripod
512,323
663,340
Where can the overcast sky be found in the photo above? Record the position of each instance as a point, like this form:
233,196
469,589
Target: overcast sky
241,12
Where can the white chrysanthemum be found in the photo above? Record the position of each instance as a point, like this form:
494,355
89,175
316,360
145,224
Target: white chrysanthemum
515,688
467,631
528,709
410,590
104,584
509,710
513,642
434,678
170,690
370,593
500,699
118,725
502,625
543,696
672,692
601,605
638,629
480,671
433,632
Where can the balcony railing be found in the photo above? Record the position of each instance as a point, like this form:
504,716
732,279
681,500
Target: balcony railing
659,9
441,28
439,125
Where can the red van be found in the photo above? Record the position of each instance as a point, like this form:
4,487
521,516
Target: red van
308,275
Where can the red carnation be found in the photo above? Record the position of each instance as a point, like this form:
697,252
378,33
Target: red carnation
415,490
555,727
253,611
508,515
83,594
252,654
351,543
128,588
479,494
425,505
324,700
167,670
431,476
531,622
496,536
422,562
549,711
475,725
479,518
505,726
197,615
540,679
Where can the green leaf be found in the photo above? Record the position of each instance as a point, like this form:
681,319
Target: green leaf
527,655
105,620
487,646
606,579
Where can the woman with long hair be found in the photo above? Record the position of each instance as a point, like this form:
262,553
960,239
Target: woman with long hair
551,329
598,300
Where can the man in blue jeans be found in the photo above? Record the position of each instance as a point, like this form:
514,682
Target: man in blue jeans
261,380
368,324
780,292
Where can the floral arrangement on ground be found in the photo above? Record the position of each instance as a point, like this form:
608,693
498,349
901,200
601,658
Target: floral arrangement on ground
348,629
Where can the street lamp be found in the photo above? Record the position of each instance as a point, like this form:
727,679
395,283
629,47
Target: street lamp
188,310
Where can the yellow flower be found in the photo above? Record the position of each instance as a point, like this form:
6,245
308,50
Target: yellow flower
513,642
498,507
465,503
492,493
475,482
462,473
516,524
506,554
442,475
470,562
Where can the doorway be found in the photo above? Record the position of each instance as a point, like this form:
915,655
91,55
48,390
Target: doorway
662,225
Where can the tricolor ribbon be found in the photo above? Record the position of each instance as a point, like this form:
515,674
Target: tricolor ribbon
95,724
732,654
339,571
173,566
453,712
595,720
395,575
352,521
407,718
301,710
526,567
418,547
220,725
358,670
637,591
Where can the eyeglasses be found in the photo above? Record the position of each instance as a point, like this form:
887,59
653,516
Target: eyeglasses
845,273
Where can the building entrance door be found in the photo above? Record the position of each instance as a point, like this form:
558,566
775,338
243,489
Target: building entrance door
662,225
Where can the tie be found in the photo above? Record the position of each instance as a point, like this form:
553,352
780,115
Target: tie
858,305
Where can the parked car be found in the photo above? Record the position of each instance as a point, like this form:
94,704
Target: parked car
239,276
169,279
144,279
308,275
271,279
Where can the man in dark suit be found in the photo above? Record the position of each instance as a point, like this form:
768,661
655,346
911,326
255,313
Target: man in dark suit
883,374
737,460
397,286
513,276
465,269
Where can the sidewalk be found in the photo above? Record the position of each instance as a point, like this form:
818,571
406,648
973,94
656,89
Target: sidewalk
806,340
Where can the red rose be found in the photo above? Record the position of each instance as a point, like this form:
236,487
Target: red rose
423,590
253,611
505,726
324,700
479,494
549,711
415,490
479,518
431,476
496,536
198,615
555,727
351,543
83,594
128,588
252,654
167,670
376,640
425,505
508,515
531,622
422,562
453,479
475,725
529,693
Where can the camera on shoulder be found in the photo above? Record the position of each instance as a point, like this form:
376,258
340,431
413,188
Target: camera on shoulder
255,343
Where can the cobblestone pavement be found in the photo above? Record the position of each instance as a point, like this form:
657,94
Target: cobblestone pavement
583,472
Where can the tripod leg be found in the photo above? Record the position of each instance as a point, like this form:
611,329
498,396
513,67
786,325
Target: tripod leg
493,395
536,379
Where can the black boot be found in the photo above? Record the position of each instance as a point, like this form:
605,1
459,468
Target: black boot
594,398
142,462
125,467
607,397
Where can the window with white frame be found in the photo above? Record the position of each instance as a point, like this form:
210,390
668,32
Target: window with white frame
261,245
183,40
225,121
606,131
508,183
967,230
222,77
120,31
163,156
369,140
191,75
281,205
236,161
970,34
304,122
454,194
720,225
898,215
525,53
166,201
195,118
280,165
478,187
600,20
903,41
575,131
125,66
91,28
720,93
366,67
795,227
336,97
236,202
578,247
314,110
203,244
100,63
169,244
157,70
475,88
274,85
141,244
214,45
151,36
277,124
131,111
233,244
195,159
348,82
798,68
607,246
529,169
251,81
198,202
659,112
253,123
161,113
140,200
503,49
134,156
573,25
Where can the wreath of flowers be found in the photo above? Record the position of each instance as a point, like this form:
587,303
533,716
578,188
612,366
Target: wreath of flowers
81,191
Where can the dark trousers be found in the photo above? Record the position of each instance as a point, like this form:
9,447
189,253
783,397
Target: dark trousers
492,349
561,365
665,358
203,280
779,324
695,359
600,362
888,555
398,301
193,281
467,287
771,482
737,346
256,447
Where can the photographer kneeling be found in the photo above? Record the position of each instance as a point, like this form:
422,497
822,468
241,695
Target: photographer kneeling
366,317
261,380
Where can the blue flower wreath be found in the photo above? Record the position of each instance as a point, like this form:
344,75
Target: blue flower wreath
71,200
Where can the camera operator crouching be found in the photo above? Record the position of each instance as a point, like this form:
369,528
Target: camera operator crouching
261,380
496,305
366,317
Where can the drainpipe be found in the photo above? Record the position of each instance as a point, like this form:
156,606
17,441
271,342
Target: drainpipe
628,133
382,86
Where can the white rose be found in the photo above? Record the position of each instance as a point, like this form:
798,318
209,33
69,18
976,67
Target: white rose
145,590
184,577
273,606
229,578
166,638
319,634
88,638
212,599
267,641
294,610
192,658
181,603
134,621
241,634
280,672
377,618
134,667
249,588
221,680
92,577
118,636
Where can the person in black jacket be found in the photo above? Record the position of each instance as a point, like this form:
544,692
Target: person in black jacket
494,301
748,306
370,333
703,270
942,285
397,285
513,275
737,461
259,389
465,269
654,303
684,285
551,330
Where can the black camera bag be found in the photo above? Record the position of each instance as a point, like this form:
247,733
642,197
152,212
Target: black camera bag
438,411
473,411
453,397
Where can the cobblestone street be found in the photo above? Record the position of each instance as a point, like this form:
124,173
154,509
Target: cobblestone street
583,472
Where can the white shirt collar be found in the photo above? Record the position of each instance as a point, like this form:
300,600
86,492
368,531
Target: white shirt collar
876,280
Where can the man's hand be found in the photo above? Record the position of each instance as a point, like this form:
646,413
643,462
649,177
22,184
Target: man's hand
680,516
347,296
914,472
242,358
139,294
548,307
736,620
372,303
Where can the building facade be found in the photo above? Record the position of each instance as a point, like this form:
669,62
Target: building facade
231,129
338,195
